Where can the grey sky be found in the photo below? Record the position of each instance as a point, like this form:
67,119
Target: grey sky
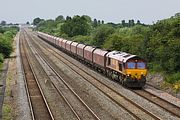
109,10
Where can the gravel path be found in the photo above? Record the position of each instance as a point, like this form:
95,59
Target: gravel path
23,110
164,95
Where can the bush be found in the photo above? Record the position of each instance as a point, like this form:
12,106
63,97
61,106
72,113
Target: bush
82,39
101,34
173,78
5,47
1,58
6,39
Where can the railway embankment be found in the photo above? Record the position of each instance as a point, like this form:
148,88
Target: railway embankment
157,80
15,101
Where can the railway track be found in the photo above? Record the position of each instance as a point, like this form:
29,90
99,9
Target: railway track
37,101
111,93
171,108
80,109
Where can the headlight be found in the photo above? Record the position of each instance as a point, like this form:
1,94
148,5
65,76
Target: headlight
129,75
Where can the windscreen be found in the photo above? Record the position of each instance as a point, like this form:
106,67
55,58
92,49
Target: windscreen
141,65
136,65
131,65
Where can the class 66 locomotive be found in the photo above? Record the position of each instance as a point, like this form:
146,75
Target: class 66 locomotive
129,70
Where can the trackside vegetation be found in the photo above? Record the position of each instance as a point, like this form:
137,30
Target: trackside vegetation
6,40
159,43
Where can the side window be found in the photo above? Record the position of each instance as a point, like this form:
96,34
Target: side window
120,66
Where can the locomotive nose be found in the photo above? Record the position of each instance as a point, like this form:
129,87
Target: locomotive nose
136,75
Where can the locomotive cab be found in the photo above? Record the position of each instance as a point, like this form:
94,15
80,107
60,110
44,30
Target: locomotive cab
136,69
130,69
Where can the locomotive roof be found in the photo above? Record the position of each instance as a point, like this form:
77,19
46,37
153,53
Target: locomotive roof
121,56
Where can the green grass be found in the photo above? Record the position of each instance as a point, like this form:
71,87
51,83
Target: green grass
173,81
173,78
7,112
7,105
1,65
1,60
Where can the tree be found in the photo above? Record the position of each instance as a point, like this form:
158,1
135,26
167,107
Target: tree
99,22
60,18
5,46
36,21
76,26
102,21
3,23
1,58
123,23
88,19
138,22
131,23
48,26
95,23
114,42
68,18
177,15
101,33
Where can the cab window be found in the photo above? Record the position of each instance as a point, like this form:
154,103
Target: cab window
120,66
109,61
141,65
131,65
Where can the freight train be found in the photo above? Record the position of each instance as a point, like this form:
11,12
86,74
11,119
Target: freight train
130,70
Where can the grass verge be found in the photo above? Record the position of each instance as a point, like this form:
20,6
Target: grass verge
7,105
173,81
7,112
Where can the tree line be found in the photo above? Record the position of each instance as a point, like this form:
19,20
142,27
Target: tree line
159,43
6,40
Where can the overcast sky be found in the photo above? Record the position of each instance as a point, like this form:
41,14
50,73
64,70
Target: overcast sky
147,11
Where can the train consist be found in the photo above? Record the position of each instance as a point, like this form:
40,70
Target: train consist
129,70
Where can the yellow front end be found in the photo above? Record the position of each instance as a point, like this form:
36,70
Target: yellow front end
136,73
